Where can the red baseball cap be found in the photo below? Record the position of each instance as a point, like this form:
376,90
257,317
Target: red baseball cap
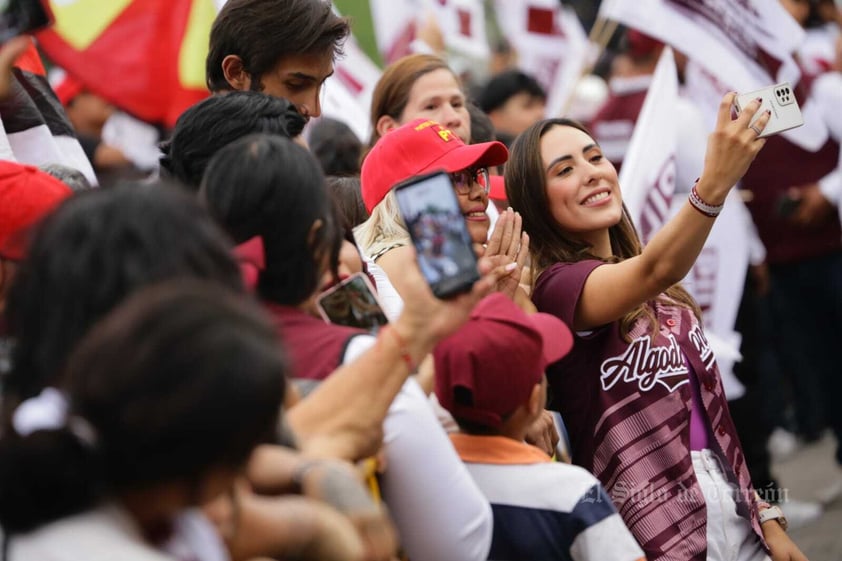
26,195
418,147
488,368
498,188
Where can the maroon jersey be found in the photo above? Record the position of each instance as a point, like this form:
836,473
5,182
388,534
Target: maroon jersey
316,347
613,125
627,408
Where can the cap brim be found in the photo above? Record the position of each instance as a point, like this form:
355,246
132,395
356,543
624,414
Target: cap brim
498,188
558,339
470,155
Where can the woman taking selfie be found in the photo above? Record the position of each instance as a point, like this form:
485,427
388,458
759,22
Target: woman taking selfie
640,392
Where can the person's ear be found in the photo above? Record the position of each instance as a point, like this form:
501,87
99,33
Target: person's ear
385,124
318,224
537,400
235,73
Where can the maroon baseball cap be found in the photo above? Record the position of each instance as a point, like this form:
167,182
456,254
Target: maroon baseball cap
26,195
489,367
419,147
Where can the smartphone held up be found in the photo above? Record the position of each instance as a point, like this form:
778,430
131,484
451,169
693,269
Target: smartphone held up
431,212
780,101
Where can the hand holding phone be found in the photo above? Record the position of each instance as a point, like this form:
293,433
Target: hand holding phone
442,242
352,303
780,101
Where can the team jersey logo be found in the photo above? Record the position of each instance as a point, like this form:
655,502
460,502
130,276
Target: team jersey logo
646,365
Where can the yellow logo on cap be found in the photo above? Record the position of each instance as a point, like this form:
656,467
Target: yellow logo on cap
444,134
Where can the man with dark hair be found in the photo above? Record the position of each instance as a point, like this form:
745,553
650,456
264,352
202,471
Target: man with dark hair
513,101
216,121
282,48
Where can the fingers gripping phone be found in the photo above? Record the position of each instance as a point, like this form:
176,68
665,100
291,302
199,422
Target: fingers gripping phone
780,100
353,303
21,16
437,227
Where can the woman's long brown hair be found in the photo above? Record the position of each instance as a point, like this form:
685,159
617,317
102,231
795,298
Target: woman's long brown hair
549,243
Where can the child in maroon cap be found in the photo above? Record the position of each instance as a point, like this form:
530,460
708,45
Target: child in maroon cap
490,377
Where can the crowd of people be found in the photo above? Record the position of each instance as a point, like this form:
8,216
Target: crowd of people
171,390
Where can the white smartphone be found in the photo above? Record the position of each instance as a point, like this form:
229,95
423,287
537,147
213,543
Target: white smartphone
780,100
353,303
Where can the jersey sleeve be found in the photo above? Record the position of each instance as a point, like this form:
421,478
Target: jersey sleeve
559,288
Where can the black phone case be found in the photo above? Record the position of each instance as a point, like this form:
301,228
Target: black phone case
445,284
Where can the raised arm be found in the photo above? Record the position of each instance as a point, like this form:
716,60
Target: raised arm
358,395
613,290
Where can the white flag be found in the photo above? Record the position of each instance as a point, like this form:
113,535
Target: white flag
462,23
648,173
395,23
550,43
744,45
747,44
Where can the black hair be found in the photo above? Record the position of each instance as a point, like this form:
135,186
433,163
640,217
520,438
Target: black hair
268,186
346,194
218,120
93,251
181,378
482,129
506,84
335,146
262,32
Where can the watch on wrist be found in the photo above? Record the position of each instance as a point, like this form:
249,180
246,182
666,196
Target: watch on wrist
773,513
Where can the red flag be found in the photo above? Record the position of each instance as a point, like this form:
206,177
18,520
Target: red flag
147,57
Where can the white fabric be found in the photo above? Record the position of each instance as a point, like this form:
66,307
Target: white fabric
426,486
104,534
827,94
730,536
194,537
137,140
462,24
648,173
439,511
46,411
389,298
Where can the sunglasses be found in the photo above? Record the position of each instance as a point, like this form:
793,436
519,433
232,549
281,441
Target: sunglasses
463,180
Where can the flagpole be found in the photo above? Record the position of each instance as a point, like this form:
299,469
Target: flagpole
601,32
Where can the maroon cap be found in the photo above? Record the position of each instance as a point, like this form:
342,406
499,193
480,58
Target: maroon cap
419,147
494,361
26,195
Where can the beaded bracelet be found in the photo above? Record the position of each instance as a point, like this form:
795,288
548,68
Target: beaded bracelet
402,347
697,202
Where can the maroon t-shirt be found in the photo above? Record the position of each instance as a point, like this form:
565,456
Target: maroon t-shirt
316,347
627,407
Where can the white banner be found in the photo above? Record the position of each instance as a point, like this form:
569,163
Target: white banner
462,23
742,45
648,173
716,282
347,94
395,23
550,43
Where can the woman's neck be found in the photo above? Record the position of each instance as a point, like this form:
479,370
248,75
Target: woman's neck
154,509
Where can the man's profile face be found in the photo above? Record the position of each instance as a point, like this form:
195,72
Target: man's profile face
299,78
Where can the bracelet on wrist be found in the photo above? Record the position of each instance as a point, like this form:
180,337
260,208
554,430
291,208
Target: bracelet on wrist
402,347
698,203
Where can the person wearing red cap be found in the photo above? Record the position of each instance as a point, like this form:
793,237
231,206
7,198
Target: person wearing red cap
490,377
419,147
26,195
641,393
